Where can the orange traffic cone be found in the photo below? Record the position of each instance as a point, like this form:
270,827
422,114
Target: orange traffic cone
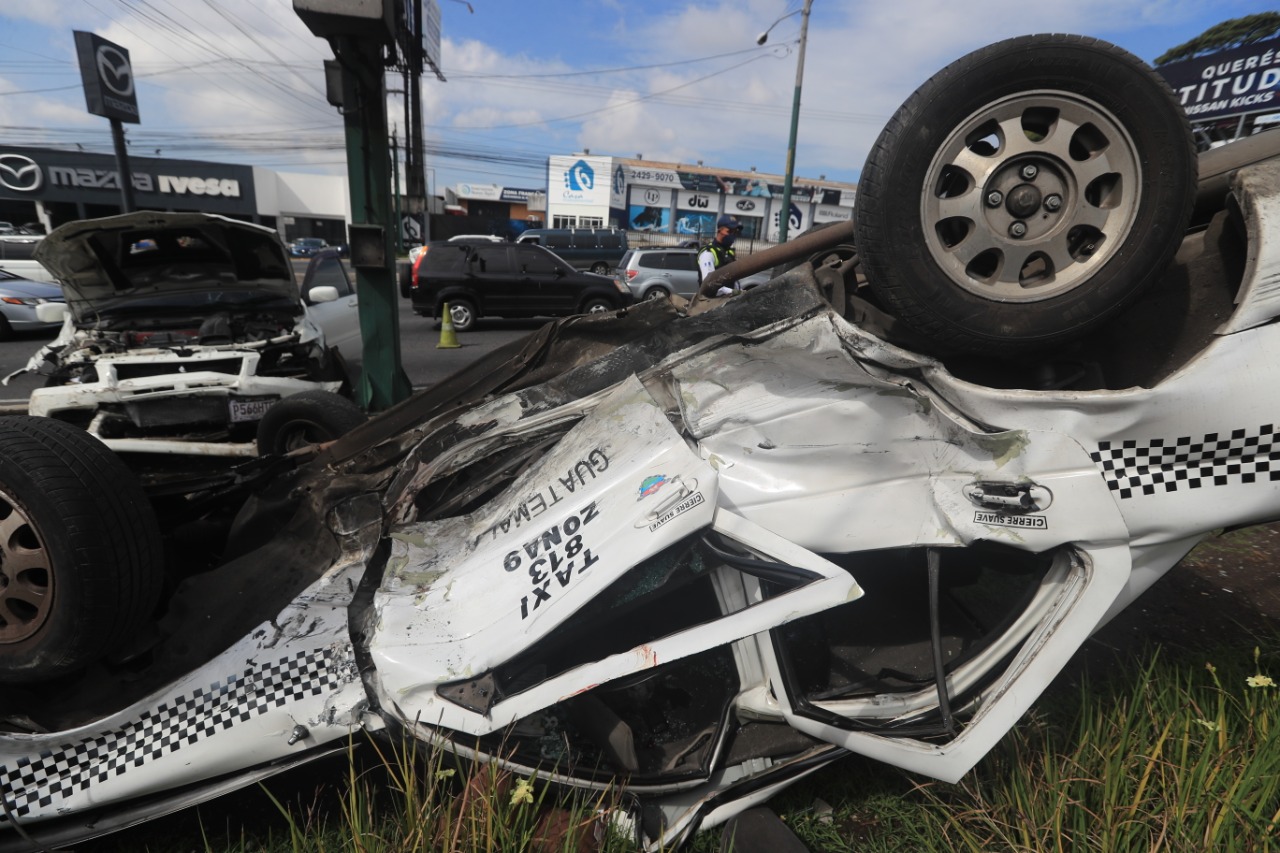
448,337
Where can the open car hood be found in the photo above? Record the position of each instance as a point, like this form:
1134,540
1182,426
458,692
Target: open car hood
107,263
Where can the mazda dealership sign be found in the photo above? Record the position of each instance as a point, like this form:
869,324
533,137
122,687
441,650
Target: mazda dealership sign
20,174
109,89
38,174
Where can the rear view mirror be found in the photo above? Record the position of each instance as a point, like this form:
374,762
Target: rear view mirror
323,293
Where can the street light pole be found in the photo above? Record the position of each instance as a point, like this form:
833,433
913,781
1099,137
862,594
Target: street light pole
785,214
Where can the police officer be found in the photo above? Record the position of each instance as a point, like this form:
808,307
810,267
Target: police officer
719,251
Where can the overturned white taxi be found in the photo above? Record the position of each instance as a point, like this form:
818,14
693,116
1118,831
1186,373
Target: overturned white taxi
695,551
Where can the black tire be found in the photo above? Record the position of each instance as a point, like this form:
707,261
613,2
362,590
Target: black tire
80,554
600,268
404,277
6,331
597,305
462,314
657,293
310,417
1092,126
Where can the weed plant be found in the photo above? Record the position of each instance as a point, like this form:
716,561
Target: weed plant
1169,756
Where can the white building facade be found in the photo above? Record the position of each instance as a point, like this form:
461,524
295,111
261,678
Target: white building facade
586,191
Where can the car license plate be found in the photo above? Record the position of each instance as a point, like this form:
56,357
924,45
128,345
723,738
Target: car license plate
249,410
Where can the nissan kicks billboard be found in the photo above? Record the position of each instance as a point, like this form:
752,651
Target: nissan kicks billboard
1229,82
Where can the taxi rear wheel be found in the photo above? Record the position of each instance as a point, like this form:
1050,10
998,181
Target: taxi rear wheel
80,551
1025,194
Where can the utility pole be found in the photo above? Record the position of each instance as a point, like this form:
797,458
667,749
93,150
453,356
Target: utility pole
785,215
414,176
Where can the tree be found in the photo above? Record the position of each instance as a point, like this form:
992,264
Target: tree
1233,33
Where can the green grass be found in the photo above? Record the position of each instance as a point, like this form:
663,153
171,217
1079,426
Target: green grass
413,799
1162,754
1159,756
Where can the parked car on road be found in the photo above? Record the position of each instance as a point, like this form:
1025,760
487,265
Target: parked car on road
466,238
186,334
659,273
305,247
338,318
19,298
479,279
596,249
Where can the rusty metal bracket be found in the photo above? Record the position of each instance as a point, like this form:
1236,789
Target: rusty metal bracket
792,250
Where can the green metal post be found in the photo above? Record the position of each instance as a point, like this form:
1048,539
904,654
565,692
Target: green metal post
382,381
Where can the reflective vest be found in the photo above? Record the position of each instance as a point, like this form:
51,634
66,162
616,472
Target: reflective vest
722,254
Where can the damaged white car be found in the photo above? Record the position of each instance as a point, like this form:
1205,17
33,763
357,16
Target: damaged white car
184,332
699,552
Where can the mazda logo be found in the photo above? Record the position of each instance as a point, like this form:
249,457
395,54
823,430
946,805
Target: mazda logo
114,71
746,204
19,173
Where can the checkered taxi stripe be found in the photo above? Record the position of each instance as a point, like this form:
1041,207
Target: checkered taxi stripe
1218,459
58,773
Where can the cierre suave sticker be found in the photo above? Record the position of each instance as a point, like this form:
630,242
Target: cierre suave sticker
684,506
999,519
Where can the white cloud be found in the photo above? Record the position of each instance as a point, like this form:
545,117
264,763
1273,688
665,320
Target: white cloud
863,60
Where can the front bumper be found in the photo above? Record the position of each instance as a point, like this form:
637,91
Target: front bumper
199,404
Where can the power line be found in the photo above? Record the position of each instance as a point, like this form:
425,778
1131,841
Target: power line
464,75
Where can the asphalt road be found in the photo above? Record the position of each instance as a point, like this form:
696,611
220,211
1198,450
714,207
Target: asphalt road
424,364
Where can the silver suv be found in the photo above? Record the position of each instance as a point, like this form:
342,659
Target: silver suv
659,272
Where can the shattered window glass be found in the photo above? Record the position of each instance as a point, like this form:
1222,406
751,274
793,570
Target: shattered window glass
663,723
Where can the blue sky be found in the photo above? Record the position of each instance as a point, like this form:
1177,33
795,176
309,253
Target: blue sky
240,80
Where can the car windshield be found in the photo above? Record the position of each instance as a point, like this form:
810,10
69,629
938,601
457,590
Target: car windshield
310,242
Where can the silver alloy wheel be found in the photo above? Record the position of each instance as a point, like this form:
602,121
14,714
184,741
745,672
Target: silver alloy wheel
26,574
1030,196
460,314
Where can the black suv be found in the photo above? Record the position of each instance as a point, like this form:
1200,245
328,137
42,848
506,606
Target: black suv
508,280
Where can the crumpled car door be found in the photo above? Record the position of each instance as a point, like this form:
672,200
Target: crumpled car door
1077,562
610,512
